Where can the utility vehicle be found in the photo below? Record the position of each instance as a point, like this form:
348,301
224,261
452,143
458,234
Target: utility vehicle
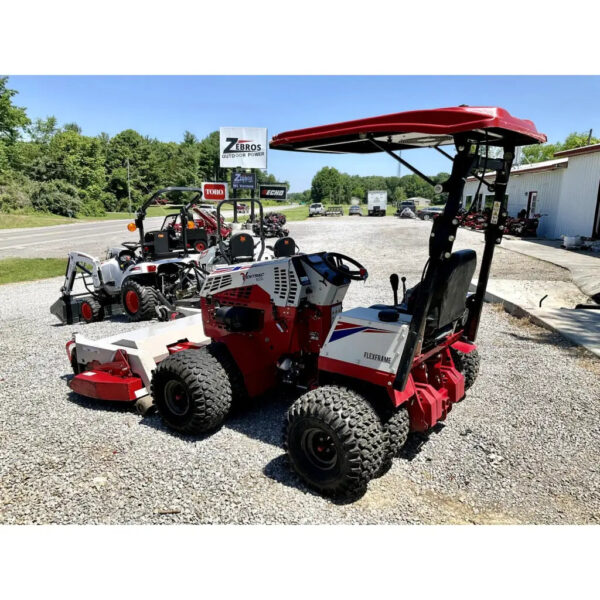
369,375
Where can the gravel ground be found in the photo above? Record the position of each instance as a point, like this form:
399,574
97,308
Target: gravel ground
521,448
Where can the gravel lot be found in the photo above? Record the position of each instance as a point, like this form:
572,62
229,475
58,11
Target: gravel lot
521,448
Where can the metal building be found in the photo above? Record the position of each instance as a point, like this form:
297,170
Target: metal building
565,191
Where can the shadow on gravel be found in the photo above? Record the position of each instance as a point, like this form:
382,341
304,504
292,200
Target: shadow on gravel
100,405
280,471
262,418
154,421
111,319
544,339
416,441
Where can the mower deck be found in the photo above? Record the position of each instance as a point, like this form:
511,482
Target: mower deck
137,353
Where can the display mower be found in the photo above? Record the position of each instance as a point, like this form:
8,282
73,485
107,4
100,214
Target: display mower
369,375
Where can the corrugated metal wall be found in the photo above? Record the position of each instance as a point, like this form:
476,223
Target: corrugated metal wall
567,197
579,196
547,184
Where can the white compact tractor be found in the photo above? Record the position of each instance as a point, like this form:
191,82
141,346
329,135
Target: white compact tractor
165,267
367,375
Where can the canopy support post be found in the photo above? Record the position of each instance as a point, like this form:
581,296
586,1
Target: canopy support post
382,146
493,237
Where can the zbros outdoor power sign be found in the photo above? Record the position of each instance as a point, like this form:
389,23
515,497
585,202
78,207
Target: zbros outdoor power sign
243,181
243,147
273,192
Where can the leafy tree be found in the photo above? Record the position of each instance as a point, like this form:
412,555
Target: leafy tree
57,197
325,184
13,119
540,152
41,131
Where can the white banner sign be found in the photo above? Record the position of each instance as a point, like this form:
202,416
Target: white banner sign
243,147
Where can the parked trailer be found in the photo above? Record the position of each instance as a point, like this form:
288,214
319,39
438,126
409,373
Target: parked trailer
377,203
335,210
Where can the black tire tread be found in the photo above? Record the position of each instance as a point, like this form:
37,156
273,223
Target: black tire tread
467,364
355,423
205,373
396,427
97,310
148,300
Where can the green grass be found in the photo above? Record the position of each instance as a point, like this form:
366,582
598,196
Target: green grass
298,213
30,269
14,221
18,220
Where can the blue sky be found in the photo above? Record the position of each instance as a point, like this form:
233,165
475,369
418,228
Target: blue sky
164,107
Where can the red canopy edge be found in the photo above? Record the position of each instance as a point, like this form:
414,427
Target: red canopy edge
413,129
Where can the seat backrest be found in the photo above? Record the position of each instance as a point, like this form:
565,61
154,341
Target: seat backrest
197,239
448,302
284,246
157,242
241,247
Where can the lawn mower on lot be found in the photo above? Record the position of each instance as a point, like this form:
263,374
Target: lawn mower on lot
165,266
369,375
203,219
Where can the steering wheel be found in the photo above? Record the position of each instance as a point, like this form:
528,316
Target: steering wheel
336,262
130,245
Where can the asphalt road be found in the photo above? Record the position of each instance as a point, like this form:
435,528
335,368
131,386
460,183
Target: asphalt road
93,238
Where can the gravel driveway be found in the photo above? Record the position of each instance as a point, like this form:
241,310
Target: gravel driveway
521,448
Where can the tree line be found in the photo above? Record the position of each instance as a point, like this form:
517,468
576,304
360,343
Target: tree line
333,187
51,168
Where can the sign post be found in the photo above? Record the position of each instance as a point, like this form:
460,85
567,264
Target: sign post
244,147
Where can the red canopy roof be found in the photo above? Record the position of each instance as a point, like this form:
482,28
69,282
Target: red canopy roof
413,129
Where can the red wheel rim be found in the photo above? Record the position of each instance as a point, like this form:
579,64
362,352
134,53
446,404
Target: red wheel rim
132,301
86,311
200,246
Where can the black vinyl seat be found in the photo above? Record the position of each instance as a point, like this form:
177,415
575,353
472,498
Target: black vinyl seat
241,248
285,246
451,289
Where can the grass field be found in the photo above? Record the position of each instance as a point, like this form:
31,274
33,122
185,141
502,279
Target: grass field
298,213
16,220
30,269
19,220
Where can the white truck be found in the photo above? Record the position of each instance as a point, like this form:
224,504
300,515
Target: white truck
377,203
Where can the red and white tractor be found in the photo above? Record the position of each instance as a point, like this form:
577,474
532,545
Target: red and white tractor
370,375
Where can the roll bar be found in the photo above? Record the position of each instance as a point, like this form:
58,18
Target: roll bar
140,214
220,243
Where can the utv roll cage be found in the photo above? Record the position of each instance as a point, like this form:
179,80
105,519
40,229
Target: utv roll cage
184,211
472,130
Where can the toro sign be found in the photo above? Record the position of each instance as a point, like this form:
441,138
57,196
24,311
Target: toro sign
275,191
243,147
214,191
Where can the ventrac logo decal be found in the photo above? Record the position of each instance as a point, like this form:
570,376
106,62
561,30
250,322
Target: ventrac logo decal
235,146
343,330
257,276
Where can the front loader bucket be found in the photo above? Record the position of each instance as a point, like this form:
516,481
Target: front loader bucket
65,310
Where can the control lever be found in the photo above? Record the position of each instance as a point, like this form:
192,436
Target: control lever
394,284
403,289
